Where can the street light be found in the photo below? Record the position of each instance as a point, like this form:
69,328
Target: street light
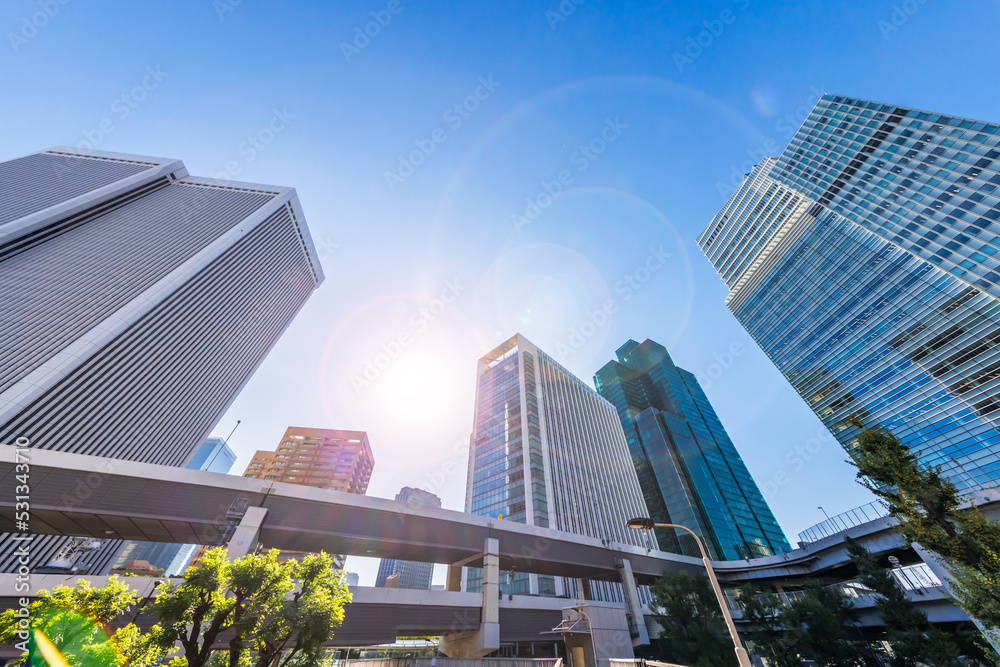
649,524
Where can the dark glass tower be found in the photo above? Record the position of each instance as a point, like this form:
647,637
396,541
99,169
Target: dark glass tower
688,468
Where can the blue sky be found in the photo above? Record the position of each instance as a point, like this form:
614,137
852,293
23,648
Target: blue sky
475,170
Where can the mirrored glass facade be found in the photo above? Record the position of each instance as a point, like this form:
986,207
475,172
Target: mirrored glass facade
688,468
876,296
548,451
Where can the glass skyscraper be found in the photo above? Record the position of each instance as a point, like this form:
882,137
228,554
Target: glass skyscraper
548,451
863,261
688,468
213,455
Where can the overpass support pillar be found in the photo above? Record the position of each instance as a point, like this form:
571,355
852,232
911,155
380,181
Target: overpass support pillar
637,626
584,586
943,572
476,643
247,533
453,582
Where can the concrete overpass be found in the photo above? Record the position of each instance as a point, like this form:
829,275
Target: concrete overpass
105,498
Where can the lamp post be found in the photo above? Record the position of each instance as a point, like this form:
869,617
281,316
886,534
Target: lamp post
649,524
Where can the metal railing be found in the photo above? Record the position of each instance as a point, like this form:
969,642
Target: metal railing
841,522
453,662
918,576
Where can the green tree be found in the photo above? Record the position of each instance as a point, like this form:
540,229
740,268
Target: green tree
913,637
694,630
764,614
821,625
275,613
927,506
74,618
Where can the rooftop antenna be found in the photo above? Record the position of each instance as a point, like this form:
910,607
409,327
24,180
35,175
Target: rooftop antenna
238,421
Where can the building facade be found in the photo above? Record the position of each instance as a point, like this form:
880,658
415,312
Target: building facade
411,574
320,457
138,301
863,261
547,450
688,467
214,455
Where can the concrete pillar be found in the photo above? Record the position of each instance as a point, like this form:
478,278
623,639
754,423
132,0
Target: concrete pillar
485,640
632,602
245,538
943,572
584,586
453,582
605,635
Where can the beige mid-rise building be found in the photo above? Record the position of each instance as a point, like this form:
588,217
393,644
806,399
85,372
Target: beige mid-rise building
320,457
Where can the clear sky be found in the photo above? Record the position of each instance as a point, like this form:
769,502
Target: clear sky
610,128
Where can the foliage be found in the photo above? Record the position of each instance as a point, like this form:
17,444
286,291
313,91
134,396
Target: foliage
694,630
73,620
279,614
927,506
273,614
913,637
764,613
822,626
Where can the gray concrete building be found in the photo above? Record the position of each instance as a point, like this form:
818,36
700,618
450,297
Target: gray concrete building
138,301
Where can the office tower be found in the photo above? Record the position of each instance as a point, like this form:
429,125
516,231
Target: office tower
411,574
214,455
137,302
548,451
320,457
863,261
688,468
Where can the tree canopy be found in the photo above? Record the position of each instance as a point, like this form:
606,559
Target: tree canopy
267,612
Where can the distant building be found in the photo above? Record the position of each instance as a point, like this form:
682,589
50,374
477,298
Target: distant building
319,457
410,574
547,450
865,261
139,568
137,301
214,455
688,468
